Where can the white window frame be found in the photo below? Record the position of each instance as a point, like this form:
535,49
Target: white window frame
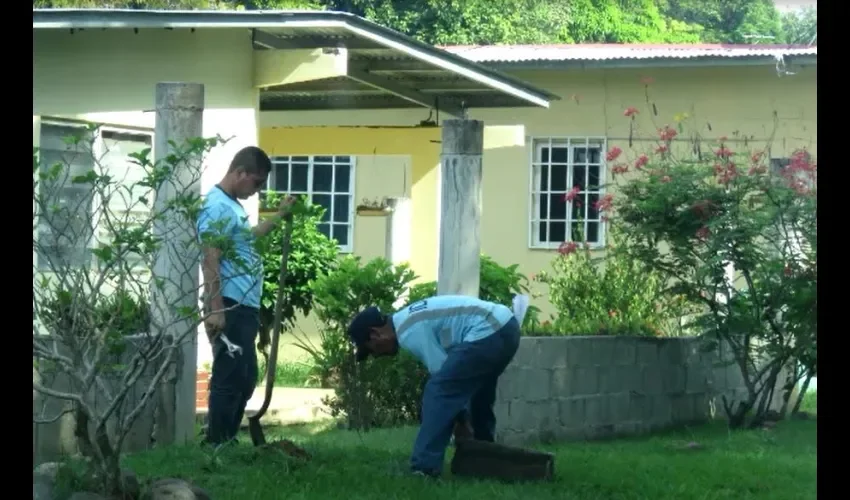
98,151
311,161
536,144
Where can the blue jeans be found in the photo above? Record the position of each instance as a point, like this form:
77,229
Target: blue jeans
467,379
233,379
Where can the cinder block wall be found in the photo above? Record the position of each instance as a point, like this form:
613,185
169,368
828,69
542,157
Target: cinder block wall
567,388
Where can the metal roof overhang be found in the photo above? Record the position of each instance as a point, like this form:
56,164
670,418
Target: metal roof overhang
386,69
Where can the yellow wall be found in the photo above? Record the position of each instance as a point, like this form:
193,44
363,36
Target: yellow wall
109,77
739,102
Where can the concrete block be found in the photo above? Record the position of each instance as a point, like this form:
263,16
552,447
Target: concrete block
510,386
702,406
697,379
560,382
580,351
572,412
647,351
630,378
718,379
601,431
673,379
570,433
502,410
653,382
682,408
547,415
672,351
620,407
537,384
603,350
662,411
552,353
640,407
585,381
625,352
597,410
628,428
526,353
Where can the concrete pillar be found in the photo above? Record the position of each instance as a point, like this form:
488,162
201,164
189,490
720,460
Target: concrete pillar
459,261
179,117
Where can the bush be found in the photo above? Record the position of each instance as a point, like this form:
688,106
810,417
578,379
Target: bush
380,392
311,254
692,218
611,295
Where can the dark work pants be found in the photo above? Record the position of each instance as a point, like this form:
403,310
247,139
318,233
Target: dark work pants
233,379
467,379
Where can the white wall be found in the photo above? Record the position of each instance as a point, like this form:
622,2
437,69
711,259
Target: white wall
109,76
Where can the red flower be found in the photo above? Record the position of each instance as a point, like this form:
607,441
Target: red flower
667,134
758,169
661,149
641,161
620,168
567,248
613,153
703,233
604,203
630,111
723,152
647,80
572,194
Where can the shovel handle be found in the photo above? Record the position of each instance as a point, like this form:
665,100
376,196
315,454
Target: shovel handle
278,317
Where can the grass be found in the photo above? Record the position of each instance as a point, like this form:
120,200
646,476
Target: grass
290,374
775,464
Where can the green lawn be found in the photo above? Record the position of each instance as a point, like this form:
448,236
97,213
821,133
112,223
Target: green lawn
771,464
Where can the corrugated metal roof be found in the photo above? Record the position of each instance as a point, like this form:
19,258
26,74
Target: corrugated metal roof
614,52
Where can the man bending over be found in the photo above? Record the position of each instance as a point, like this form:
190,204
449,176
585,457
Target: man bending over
466,343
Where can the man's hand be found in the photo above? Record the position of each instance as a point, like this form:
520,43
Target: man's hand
286,204
214,325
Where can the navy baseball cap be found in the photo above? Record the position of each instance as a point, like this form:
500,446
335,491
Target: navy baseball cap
360,330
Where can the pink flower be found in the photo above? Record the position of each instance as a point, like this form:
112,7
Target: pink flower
630,111
613,153
567,248
641,161
569,197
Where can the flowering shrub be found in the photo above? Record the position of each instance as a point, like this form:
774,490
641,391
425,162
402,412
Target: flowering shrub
736,238
614,295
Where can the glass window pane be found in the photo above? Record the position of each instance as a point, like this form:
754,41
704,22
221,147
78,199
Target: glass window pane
559,178
341,208
557,232
559,155
557,207
579,177
544,177
340,233
544,155
543,232
324,229
325,201
322,178
299,177
542,202
342,179
592,212
343,159
593,232
281,177
593,181
323,159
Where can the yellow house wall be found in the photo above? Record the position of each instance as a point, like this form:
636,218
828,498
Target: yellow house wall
751,106
109,77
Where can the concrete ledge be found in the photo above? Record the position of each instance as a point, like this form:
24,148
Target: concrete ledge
579,387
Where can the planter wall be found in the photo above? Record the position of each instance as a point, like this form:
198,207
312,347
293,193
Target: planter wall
155,424
576,388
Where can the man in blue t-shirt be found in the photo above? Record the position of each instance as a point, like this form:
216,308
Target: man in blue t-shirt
233,284
466,343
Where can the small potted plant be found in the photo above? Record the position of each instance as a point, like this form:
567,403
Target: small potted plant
374,208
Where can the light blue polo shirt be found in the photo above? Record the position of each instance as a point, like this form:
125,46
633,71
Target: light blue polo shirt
431,327
242,278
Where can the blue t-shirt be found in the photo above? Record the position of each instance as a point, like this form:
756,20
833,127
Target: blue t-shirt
242,277
429,328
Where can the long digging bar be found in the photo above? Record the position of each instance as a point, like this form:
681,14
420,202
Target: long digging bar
254,426
484,460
